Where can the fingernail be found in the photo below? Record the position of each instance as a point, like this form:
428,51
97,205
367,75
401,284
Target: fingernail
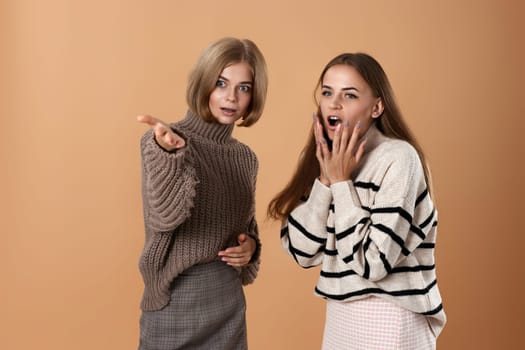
346,123
358,125
314,117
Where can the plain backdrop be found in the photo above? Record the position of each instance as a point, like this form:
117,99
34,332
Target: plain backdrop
74,75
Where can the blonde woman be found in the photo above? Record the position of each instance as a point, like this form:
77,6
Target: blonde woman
360,205
198,186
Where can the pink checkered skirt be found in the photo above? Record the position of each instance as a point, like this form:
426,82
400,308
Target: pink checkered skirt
375,323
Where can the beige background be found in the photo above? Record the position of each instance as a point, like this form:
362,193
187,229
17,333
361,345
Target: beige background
74,74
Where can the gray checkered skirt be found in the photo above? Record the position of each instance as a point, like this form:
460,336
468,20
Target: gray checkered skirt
207,311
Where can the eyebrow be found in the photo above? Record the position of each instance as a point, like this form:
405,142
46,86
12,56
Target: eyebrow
241,83
343,89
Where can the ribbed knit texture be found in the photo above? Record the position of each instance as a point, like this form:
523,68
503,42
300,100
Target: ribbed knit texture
374,234
196,201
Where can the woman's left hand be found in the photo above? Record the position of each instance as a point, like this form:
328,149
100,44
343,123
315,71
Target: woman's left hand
242,254
345,155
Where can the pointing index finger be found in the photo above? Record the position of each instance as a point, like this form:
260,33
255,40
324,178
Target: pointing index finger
147,119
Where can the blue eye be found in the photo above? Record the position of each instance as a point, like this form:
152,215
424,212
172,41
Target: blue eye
350,96
244,88
220,83
326,93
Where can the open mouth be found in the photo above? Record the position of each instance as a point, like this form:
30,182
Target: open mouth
334,120
228,111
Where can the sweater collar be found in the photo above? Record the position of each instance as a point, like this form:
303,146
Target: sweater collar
374,137
214,132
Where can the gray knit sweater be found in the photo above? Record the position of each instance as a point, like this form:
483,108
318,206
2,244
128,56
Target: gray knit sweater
196,201
374,234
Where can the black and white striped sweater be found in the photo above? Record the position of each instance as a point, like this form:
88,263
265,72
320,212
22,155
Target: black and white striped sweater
373,235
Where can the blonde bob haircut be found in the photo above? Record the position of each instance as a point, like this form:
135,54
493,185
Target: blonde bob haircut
217,56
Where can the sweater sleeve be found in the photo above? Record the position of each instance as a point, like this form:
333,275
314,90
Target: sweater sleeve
249,272
304,232
168,184
372,241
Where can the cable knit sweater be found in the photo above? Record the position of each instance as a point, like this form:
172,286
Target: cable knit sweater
374,234
196,201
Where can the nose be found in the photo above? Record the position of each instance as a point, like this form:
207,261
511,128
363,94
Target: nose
231,95
335,103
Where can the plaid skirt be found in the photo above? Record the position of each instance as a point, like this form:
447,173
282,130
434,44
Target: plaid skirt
207,311
375,324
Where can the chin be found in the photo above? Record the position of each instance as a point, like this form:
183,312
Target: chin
226,121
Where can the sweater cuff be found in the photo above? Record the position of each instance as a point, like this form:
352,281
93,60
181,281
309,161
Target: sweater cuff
180,134
320,195
151,147
257,253
250,270
345,195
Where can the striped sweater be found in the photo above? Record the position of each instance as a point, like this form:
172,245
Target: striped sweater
374,234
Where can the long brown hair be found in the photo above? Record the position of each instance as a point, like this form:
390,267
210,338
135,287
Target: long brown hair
390,123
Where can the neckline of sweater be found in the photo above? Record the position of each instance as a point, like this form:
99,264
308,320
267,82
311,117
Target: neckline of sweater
213,132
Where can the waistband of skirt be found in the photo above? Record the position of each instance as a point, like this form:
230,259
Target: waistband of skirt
208,267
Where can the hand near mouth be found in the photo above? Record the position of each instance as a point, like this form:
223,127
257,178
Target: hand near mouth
338,164
164,135
320,142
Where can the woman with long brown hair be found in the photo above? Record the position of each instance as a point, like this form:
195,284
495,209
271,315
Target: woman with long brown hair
359,204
